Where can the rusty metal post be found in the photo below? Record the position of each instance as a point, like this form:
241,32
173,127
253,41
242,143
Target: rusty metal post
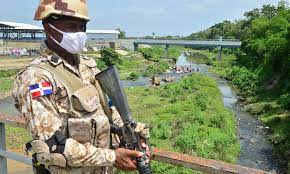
202,164
3,160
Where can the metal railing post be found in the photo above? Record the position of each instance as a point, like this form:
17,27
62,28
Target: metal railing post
3,160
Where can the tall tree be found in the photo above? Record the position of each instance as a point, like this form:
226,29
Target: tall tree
122,34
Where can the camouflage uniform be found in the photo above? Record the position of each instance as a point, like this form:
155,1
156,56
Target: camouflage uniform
47,114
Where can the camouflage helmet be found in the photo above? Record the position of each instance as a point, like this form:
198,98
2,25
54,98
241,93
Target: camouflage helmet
73,8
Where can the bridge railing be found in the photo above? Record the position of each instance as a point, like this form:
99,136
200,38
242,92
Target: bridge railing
192,162
181,39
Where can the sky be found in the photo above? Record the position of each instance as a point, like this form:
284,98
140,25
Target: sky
143,17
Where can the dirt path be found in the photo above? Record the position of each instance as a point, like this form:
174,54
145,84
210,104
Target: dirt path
15,167
16,63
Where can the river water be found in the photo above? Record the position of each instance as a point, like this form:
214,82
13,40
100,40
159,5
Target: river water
256,149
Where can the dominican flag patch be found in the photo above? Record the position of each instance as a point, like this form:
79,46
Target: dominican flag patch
40,89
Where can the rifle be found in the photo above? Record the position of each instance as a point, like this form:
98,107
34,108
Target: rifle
110,82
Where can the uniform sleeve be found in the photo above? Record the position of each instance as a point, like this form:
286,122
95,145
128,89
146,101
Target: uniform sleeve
116,118
43,120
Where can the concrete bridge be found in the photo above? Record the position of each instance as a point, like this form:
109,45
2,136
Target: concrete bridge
220,44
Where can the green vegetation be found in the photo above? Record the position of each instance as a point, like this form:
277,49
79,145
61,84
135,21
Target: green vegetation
225,29
6,80
110,57
132,63
188,117
8,73
16,138
129,66
156,68
152,54
157,53
199,57
6,85
101,65
133,76
122,34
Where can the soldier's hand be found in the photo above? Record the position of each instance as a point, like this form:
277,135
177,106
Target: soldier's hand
124,159
148,153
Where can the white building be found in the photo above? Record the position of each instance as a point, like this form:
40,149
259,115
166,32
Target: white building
103,35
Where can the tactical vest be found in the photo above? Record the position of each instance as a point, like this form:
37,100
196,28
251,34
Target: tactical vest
87,121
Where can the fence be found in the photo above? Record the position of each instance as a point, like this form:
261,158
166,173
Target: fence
192,162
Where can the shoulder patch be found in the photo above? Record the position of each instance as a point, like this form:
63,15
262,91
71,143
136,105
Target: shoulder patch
40,89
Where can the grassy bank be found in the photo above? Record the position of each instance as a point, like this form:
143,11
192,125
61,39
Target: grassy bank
16,138
188,117
132,63
6,80
6,85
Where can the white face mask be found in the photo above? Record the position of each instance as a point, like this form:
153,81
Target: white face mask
74,43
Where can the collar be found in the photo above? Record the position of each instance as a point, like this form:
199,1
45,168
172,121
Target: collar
55,59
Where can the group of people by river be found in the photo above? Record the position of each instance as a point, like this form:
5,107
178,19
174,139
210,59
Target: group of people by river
185,69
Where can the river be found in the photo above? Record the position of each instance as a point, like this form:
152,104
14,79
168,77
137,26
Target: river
256,149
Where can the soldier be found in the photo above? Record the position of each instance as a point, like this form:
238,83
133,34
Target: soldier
64,107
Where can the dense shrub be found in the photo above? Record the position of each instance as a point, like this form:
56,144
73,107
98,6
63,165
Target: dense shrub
157,68
133,76
110,57
246,80
153,54
101,65
284,100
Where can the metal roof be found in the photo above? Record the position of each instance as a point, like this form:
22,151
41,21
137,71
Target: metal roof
102,32
20,26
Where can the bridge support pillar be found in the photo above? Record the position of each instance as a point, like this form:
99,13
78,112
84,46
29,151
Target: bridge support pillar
3,160
166,55
220,49
136,47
